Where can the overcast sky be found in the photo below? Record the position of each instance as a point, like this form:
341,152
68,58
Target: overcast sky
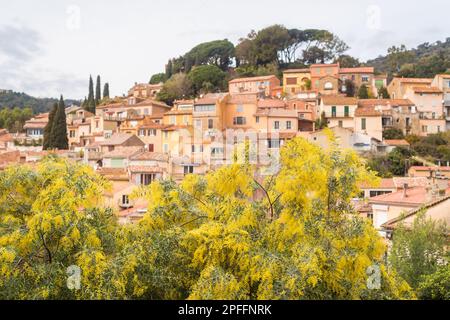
50,47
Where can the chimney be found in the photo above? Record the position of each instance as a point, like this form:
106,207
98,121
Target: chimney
405,188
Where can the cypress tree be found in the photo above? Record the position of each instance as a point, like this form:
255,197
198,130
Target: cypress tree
59,128
363,92
106,90
48,143
91,98
98,92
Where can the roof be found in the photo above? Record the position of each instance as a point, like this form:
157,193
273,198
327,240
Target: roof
319,65
6,137
425,168
392,224
357,70
385,102
396,142
146,155
367,111
277,135
304,70
175,112
261,78
243,98
122,152
271,103
210,98
146,169
116,139
113,173
268,112
339,100
414,80
427,90
414,197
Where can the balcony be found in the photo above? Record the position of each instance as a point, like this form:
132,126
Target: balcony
338,115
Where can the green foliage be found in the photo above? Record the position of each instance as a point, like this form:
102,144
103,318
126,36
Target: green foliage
393,133
434,146
393,164
177,87
383,93
350,88
277,44
363,92
418,250
158,78
48,138
14,119
347,61
106,91
98,90
425,61
91,102
209,237
218,53
207,78
435,286
58,135
11,100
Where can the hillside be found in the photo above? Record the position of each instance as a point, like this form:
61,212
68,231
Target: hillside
10,99
425,61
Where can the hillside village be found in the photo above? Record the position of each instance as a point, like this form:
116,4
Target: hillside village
136,139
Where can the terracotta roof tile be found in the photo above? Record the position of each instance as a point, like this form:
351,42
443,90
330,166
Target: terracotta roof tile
357,70
396,142
339,100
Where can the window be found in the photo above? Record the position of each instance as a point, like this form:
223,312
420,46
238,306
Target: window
196,148
301,115
374,193
173,120
239,108
291,81
340,124
433,115
363,124
151,132
239,120
288,125
157,121
151,147
438,129
365,78
216,151
424,128
328,86
165,147
96,124
273,144
146,111
141,132
346,111
205,108
210,123
408,122
185,120
333,111
72,133
198,123
276,125
125,199
188,169
257,119
147,178
166,134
